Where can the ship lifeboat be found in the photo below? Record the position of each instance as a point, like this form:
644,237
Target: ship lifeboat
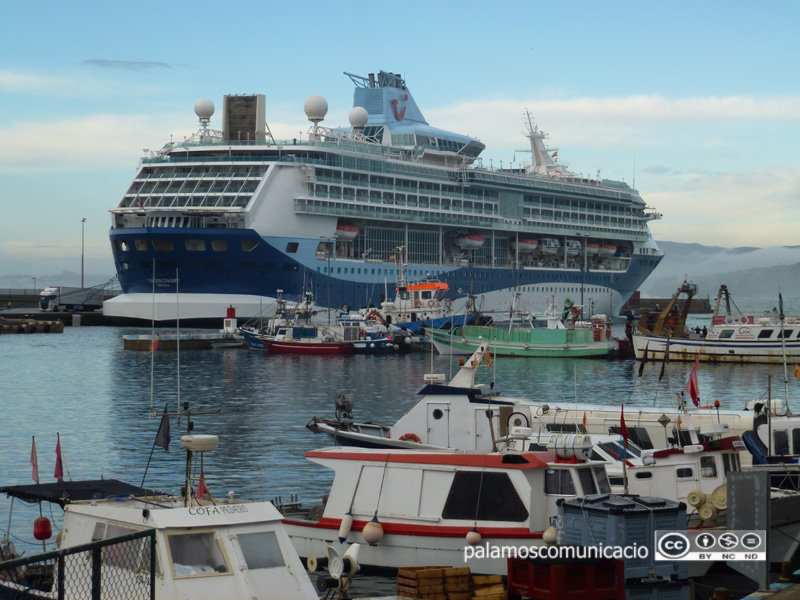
550,245
573,247
593,248
608,250
526,245
346,233
470,241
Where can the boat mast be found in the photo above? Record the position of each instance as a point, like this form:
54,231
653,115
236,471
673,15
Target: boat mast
783,352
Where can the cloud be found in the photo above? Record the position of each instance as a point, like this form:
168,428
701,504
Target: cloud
126,65
96,141
15,82
756,208
607,122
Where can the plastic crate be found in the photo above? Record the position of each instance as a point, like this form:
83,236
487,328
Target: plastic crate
617,520
545,579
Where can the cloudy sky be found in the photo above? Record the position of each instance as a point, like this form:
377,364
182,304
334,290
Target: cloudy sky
697,103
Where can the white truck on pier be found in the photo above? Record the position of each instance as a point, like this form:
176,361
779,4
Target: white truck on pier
59,298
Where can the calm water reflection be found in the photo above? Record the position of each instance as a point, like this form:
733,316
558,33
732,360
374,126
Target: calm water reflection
83,385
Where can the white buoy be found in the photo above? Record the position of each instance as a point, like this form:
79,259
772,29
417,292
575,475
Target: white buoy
474,537
373,531
550,535
345,527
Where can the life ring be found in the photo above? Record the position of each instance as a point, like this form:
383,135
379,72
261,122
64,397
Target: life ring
430,303
417,303
575,310
410,436
346,308
448,304
47,328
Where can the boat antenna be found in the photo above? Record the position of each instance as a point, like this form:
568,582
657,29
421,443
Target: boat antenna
153,340
178,335
781,316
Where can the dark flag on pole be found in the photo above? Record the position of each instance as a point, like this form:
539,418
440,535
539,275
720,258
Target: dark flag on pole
162,437
59,472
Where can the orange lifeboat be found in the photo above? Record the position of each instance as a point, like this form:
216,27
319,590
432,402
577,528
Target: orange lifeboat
346,233
470,241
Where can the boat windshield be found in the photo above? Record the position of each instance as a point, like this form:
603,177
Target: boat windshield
615,449
195,554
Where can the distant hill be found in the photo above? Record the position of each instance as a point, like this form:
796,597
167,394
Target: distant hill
753,275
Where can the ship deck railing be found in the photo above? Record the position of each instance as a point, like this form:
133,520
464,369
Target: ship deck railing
413,156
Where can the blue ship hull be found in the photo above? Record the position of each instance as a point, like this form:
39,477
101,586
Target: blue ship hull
265,269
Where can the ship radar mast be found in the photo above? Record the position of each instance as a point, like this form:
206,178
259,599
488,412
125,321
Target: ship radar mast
204,109
315,107
542,156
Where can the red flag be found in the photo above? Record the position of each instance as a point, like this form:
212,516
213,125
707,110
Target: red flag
623,430
692,387
202,490
139,200
34,461
584,421
59,474
154,343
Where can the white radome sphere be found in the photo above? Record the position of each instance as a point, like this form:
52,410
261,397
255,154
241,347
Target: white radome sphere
316,108
204,108
358,116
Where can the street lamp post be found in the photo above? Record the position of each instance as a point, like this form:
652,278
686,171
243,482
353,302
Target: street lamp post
585,238
329,240
34,285
83,237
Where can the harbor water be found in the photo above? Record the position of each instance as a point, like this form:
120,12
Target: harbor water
84,386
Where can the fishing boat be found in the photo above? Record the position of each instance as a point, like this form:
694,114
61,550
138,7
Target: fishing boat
179,546
417,304
240,214
527,335
420,508
769,338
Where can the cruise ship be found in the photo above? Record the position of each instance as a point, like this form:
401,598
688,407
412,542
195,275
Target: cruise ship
234,217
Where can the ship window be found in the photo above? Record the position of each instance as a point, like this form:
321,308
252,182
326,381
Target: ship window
558,482
163,245
197,554
616,481
125,265
261,550
141,245
708,466
644,475
291,247
248,245
195,245
219,245
133,555
781,442
684,473
124,246
587,481
795,441
725,334
499,500
602,480
765,333
289,266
